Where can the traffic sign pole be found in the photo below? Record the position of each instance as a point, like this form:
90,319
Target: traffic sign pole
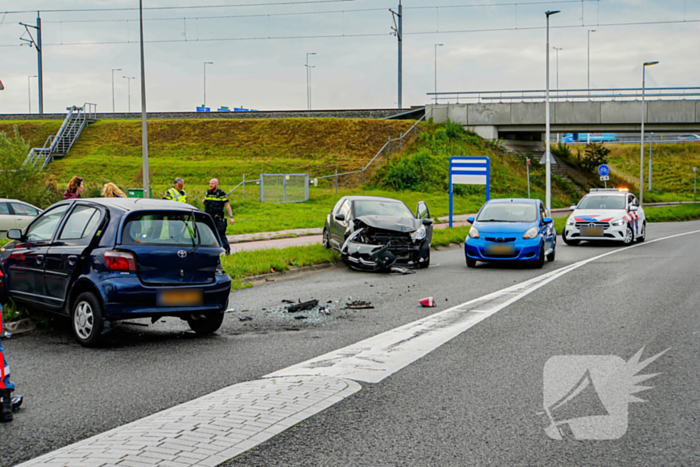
528,178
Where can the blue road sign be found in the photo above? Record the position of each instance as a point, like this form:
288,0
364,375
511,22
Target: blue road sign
469,171
604,170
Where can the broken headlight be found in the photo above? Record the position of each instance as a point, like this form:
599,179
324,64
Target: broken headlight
419,234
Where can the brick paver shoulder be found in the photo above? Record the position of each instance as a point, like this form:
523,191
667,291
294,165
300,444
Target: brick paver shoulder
207,431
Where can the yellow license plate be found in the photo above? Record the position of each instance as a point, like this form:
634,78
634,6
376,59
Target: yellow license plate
189,297
592,231
500,250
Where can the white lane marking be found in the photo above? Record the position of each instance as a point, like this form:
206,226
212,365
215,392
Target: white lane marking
377,357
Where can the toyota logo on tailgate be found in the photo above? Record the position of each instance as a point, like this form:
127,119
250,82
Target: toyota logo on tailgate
182,253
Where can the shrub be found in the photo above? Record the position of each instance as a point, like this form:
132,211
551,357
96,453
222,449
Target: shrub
594,155
17,181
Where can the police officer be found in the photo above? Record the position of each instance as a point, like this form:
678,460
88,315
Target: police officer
177,193
214,201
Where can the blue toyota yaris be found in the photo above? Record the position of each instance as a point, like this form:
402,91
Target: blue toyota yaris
511,230
108,259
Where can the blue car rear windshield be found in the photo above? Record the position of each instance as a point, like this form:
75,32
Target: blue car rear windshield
168,229
508,212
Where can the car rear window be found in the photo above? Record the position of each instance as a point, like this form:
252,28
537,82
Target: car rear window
508,212
169,229
602,202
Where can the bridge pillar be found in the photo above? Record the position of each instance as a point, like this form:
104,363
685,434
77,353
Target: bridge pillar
485,131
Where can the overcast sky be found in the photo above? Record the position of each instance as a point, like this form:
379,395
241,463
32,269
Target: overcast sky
351,72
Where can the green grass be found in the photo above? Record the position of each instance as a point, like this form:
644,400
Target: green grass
445,237
12,312
681,213
671,167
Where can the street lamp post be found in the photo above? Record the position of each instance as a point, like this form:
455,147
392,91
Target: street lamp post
129,78
589,61
205,83
548,163
641,140
29,91
651,135
436,46
308,80
558,49
113,70
144,114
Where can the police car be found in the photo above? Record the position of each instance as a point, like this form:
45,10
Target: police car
606,214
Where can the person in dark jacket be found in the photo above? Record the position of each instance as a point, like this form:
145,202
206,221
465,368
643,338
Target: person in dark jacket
215,200
75,188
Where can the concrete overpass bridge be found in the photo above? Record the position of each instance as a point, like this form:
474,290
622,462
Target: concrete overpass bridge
520,115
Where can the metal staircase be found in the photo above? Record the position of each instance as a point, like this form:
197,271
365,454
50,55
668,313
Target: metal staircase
59,144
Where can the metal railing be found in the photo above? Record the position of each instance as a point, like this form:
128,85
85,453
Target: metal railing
386,150
567,95
76,120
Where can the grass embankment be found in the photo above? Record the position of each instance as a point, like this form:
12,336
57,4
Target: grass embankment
198,150
672,169
35,132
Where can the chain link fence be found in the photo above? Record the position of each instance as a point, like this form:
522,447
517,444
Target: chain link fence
284,188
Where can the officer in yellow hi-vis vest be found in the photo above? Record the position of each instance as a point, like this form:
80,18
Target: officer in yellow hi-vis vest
215,200
177,193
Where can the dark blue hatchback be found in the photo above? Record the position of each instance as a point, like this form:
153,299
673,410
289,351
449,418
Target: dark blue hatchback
108,259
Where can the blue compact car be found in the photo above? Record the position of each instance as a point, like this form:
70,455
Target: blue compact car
108,259
511,230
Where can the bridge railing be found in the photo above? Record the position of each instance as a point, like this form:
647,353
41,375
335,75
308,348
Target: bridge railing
566,95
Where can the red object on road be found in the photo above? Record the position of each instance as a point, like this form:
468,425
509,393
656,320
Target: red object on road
427,302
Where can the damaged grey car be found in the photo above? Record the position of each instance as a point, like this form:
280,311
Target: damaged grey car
374,234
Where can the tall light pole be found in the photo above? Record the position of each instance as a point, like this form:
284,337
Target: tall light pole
558,49
29,91
641,141
589,61
113,70
651,135
436,46
129,78
308,80
144,116
547,156
205,83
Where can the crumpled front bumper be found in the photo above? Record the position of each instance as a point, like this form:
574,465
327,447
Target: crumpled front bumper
364,257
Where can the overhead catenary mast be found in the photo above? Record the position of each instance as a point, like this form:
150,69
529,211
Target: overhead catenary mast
37,45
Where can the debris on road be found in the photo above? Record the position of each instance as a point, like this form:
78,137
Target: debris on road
359,305
288,301
427,302
402,271
300,317
302,306
245,318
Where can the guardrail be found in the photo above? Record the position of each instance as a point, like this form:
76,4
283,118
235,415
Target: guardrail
573,95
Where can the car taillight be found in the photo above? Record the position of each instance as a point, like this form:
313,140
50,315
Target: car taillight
120,261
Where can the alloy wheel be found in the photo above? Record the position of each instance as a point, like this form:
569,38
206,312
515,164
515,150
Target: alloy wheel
84,320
